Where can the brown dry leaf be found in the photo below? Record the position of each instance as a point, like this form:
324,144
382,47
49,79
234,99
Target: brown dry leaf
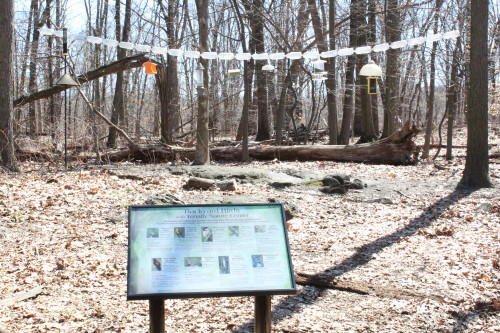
93,191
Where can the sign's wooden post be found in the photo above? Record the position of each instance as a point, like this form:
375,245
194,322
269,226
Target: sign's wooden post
262,314
156,316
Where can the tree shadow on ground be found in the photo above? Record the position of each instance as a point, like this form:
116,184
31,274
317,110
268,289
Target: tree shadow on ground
365,253
481,310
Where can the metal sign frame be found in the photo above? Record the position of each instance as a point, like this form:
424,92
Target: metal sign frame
140,227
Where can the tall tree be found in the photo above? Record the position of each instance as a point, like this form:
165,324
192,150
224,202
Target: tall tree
32,85
169,90
202,152
349,94
331,82
329,66
118,110
257,35
392,34
366,126
452,95
432,85
247,89
476,172
6,73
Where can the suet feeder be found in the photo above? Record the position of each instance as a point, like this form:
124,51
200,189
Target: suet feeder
149,68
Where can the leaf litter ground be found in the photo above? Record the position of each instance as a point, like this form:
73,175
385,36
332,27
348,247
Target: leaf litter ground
431,252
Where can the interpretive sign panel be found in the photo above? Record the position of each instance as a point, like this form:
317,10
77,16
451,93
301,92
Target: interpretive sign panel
208,250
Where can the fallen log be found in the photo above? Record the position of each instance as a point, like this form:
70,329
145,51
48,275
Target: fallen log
398,149
364,288
21,296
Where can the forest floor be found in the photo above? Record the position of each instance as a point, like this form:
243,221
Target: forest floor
429,251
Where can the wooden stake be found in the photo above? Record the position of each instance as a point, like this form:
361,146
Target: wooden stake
262,314
156,316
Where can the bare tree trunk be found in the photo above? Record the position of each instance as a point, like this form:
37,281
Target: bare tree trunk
202,153
257,23
53,121
350,89
361,101
8,159
393,33
432,86
169,93
452,100
118,109
366,128
331,82
372,39
24,67
247,81
476,172
32,84
329,66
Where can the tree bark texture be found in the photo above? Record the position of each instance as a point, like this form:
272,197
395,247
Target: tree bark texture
392,34
257,24
6,73
329,66
169,87
202,154
350,88
331,82
432,86
452,95
32,84
476,172
118,109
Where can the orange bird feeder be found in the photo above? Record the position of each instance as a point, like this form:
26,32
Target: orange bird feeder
149,68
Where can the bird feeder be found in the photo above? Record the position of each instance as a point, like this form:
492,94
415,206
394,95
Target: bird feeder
234,72
268,68
373,72
199,76
66,81
149,67
65,41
